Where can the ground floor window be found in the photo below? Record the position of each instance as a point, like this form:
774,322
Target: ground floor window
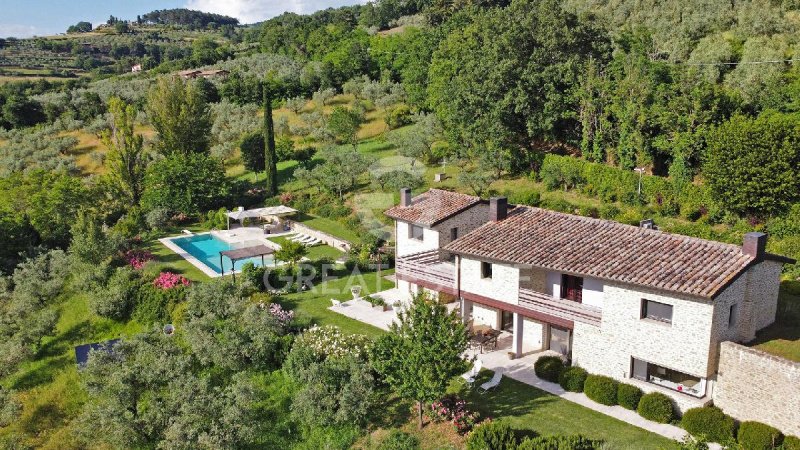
668,378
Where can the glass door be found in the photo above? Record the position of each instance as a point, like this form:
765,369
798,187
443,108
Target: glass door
559,340
508,321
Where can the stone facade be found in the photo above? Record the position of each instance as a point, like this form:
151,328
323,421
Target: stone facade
503,285
753,385
439,235
407,245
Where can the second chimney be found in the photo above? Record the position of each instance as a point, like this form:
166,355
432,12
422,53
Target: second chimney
405,197
755,245
498,208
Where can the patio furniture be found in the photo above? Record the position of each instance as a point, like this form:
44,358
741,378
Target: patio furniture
469,376
479,341
491,384
187,232
336,303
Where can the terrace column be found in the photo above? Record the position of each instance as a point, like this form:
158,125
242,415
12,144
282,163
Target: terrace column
516,339
466,310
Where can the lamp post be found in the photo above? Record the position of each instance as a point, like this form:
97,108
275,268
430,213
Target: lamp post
640,170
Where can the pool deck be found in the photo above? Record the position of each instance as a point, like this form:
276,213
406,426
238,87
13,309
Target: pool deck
235,236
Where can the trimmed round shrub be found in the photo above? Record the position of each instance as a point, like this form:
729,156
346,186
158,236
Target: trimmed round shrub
549,368
628,396
601,389
572,379
709,424
657,407
791,443
492,436
576,442
399,440
758,436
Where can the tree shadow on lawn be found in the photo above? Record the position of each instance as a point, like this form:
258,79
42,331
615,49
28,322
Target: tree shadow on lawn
394,413
510,398
44,373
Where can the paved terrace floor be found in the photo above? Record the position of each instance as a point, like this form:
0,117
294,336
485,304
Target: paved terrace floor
520,369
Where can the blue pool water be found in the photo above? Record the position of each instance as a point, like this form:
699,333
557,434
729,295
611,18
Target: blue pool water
206,248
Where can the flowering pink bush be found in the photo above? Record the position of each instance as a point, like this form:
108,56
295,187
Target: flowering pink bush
281,315
169,280
453,409
137,258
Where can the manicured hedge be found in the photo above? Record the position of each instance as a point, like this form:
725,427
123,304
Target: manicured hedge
758,436
549,368
601,389
492,436
709,424
791,443
628,396
572,379
657,407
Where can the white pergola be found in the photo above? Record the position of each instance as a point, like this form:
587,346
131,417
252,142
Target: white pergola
268,212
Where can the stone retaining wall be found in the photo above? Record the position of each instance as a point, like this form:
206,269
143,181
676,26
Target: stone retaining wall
754,385
333,241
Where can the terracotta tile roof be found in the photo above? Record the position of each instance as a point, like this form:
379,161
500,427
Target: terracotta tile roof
432,207
606,250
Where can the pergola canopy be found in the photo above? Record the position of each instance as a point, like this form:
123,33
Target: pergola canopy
276,211
247,252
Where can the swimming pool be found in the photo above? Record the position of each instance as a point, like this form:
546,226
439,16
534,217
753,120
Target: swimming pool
206,248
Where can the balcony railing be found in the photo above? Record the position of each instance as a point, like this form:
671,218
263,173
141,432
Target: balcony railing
428,270
564,309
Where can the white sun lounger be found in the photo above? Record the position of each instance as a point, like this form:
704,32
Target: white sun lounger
336,303
187,232
491,384
306,240
314,241
469,377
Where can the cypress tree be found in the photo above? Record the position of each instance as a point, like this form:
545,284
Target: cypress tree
270,155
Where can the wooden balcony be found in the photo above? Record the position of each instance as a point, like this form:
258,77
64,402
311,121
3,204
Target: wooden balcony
427,269
556,307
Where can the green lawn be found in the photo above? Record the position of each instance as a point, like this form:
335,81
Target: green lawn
527,408
783,337
166,259
315,252
313,305
332,227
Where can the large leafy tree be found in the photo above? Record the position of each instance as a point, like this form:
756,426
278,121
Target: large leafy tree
179,113
344,123
753,165
127,160
27,313
145,393
252,148
510,76
422,352
189,184
291,252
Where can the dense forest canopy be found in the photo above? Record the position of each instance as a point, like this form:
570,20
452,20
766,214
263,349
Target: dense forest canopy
188,17
687,113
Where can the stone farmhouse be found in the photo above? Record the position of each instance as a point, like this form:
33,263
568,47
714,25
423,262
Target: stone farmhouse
637,304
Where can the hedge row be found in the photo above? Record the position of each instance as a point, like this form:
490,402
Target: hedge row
612,184
605,390
710,424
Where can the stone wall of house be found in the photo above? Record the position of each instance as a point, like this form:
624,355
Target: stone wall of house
503,285
333,241
408,246
484,315
465,221
763,284
683,345
754,385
